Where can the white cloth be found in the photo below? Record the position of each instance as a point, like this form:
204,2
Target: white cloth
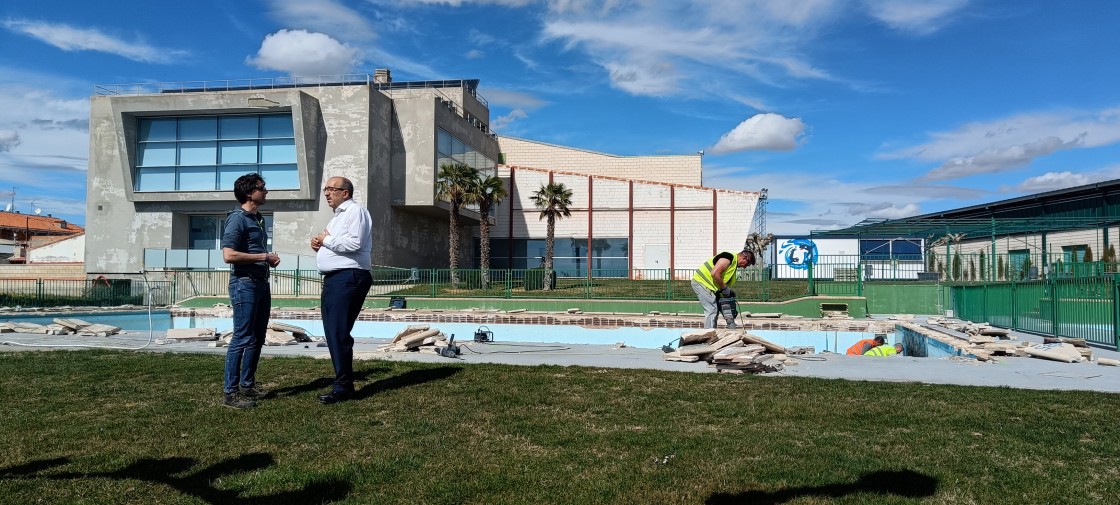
350,240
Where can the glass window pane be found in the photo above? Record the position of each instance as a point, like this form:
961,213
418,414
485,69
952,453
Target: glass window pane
239,127
156,154
280,176
198,128
458,148
276,125
445,161
227,175
239,151
196,178
198,153
155,179
278,151
153,129
443,143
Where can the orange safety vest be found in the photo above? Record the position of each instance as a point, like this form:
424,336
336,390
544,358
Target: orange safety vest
861,347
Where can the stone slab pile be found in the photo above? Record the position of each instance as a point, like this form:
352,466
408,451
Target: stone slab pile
61,326
418,338
730,351
986,342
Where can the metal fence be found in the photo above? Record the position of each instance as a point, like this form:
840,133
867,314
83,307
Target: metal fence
1084,308
100,292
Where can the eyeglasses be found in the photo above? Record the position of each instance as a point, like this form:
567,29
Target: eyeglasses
328,189
261,187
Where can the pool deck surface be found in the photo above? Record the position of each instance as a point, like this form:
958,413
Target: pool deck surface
1014,372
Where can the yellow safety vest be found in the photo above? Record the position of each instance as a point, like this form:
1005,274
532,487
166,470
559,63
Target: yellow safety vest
881,351
703,274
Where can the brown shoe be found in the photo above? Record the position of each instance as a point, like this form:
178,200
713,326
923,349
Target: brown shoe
253,393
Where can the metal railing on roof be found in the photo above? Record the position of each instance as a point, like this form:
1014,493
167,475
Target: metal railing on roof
155,88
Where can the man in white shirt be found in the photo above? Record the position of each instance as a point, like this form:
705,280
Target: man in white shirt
343,256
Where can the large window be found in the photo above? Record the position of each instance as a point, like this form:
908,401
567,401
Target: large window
208,153
452,150
609,256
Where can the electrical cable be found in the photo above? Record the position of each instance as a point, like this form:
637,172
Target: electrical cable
546,348
151,329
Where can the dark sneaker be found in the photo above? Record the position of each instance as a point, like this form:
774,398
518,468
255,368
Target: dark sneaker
335,397
253,393
236,401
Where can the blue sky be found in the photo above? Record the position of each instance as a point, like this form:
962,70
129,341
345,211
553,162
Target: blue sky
842,109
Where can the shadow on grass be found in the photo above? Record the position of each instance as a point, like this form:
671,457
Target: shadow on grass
323,383
904,483
409,378
173,472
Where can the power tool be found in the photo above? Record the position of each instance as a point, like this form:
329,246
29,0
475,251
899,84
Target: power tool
729,308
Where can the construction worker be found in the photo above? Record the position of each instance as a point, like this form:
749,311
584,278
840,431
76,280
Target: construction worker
714,280
885,350
865,345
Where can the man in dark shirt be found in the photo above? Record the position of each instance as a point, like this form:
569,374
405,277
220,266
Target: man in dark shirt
245,248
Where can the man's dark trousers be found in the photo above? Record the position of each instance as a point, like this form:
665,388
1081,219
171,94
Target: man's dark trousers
344,291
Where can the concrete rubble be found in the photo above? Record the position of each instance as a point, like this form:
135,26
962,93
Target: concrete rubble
732,351
276,334
986,342
418,338
61,326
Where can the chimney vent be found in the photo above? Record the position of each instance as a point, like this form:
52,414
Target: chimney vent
382,76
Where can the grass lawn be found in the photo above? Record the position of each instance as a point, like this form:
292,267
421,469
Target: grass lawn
108,427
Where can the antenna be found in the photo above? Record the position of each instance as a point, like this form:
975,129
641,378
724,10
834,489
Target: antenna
38,211
8,208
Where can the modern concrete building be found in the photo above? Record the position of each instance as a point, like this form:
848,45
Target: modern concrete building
163,159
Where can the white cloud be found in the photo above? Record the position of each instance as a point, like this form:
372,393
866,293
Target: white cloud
1010,143
504,122
9,139
999,159
768,131
303,53
884,210
69,38
1052,181
647,78
323,16
919,17
474,54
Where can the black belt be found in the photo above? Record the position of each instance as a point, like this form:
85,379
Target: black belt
255,277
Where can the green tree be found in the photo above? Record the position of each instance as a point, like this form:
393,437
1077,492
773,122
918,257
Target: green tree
487,192
957,266
971,268
1001,269
454,184
932,261
1088,258
983,266
1110,258
1025,269
553,200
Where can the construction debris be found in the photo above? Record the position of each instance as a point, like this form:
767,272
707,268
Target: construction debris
61,326
730,351
421,338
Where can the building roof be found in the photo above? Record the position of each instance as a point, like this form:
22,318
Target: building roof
38,225
1089,206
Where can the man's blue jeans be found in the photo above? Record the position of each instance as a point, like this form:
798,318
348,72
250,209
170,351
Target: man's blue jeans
252,302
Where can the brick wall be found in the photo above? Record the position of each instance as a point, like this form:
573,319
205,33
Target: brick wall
44,271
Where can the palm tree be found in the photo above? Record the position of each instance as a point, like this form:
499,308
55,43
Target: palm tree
453,184
487,192
553,200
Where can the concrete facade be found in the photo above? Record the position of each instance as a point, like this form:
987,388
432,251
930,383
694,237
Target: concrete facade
383,144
